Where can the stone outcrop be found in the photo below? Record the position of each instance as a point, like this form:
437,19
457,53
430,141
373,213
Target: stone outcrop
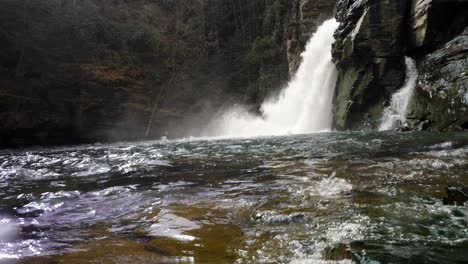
373,38
439,40
441,101
305,17
432,23
419,22
369,55
103,70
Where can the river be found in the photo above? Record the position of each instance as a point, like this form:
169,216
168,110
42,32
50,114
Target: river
341,197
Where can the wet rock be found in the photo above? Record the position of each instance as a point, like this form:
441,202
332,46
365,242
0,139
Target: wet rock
368,52
272,217
305,17
456,195
418,22
403,129
433,22
31,214
337,253
400,127
157,250
421,125
441,98
371,42
6,210
438,38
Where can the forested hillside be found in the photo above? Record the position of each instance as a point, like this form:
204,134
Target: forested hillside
96,70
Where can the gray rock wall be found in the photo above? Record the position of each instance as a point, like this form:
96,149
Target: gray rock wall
305,17
441,99
373,38
368,52
439,39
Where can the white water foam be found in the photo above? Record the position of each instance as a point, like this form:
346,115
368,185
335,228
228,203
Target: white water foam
305,106
395,114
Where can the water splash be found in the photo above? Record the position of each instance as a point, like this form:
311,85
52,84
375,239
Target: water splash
394,115
305,106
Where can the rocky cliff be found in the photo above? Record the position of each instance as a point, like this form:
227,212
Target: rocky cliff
84,71
305,16
439,40
373,38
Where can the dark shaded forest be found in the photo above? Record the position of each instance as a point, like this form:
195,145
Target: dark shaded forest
98,70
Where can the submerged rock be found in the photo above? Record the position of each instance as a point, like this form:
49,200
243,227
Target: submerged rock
338,253
403,129
456,195
272,217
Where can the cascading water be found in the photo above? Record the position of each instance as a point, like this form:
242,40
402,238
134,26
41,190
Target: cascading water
305,106
395,114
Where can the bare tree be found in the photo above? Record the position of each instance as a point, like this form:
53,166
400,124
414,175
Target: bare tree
19,65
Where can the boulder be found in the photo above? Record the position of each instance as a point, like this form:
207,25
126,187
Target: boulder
456,195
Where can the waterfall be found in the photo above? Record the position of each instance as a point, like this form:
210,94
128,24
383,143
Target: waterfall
394,115
304,106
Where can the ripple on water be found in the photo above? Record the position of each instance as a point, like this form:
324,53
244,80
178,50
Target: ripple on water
91,169
12,246
328,187
262,200
274,217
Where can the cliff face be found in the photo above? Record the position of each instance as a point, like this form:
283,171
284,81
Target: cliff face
92,70
305,16
439,39
79,71
371,44
441,101
368,52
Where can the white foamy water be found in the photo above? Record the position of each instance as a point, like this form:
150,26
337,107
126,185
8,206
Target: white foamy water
305,106
395,114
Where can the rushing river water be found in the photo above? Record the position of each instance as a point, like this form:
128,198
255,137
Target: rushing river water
362,197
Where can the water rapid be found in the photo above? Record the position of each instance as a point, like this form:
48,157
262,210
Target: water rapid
395,114
343,197
304,106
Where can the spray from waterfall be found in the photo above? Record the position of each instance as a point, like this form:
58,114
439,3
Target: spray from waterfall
304,106
394,115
